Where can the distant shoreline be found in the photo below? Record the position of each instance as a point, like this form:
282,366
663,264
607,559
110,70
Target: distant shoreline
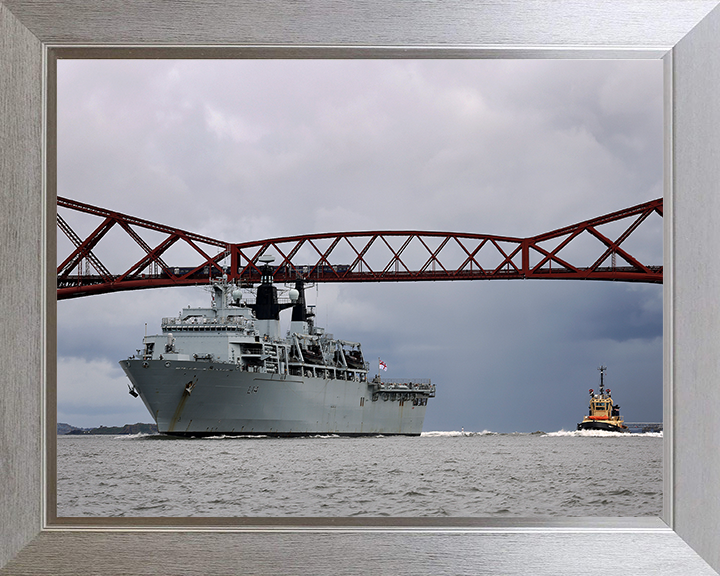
138,428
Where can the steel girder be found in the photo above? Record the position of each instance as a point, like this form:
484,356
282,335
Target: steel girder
371,256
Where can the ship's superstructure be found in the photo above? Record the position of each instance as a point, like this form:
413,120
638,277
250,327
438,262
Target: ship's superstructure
603,414
227,370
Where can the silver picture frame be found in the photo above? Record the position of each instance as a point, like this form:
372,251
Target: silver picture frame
685,34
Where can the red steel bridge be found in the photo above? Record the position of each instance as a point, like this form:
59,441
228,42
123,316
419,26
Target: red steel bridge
592,250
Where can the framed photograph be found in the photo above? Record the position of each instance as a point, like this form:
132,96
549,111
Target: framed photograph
331,153
683,34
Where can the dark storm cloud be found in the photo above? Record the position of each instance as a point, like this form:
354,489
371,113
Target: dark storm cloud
256,149
505,355
629,315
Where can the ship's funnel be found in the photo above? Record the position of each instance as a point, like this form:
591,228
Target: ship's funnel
299,312
266,305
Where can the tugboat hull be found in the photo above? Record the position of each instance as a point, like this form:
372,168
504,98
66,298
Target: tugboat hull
599,425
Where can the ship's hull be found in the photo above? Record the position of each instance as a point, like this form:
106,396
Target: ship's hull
191,398
601,425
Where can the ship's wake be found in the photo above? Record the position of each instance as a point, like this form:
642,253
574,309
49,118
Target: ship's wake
569,433
457,433
604,433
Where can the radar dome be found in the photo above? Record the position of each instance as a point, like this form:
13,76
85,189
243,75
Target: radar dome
237,294
294,295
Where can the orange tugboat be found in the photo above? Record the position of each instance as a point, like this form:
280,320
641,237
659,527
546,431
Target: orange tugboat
603,414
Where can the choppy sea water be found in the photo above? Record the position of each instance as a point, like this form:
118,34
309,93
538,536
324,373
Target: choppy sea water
441,474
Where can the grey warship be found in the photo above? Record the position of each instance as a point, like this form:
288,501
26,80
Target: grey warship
225,370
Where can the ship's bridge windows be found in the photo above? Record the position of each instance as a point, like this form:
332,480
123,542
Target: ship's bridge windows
149,346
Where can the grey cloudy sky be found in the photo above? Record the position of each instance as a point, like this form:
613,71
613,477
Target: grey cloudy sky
246,150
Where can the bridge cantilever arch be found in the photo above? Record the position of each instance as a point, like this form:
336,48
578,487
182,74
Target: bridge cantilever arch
596,249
